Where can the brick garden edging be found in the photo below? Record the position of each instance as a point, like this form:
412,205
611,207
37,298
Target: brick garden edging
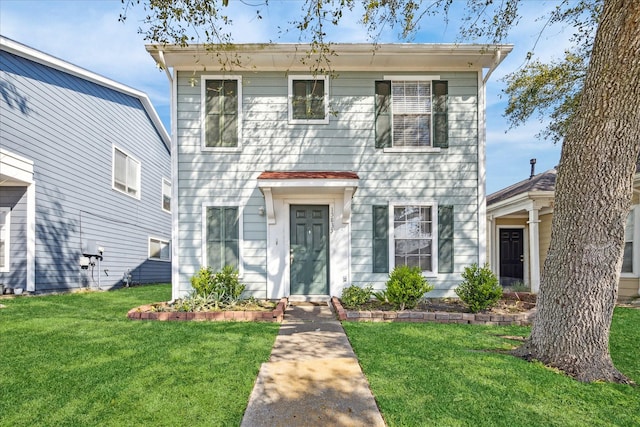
523,319
144,312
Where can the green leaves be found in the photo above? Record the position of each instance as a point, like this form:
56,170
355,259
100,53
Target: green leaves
551,91
354,296
406,287
480,289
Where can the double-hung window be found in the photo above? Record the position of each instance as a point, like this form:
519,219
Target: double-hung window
222,231
630,240
221,112
5,237
308,99
414,240
159,249
126,173
417,235
411,113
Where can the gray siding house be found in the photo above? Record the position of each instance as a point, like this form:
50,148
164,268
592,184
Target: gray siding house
309,182
85,169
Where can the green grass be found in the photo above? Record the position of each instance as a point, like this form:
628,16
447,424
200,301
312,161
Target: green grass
452,375
76,360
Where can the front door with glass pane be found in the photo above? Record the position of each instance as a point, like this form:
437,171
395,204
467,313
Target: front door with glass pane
309,250
511,256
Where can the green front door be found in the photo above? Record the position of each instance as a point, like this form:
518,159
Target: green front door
309,251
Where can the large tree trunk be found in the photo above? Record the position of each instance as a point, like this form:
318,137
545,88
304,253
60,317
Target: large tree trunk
593,196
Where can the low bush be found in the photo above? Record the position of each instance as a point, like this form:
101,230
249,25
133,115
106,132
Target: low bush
480,289
406,287
354,296
220,289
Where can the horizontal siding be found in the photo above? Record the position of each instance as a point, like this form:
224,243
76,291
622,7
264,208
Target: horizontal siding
345,144
68,129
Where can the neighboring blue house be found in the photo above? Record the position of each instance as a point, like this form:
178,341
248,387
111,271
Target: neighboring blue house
308,183
85,169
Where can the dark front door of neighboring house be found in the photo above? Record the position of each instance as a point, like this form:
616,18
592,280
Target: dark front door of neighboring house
511,256
309,250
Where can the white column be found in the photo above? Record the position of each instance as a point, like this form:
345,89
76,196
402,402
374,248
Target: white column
534,250
491,238
31,237
482,173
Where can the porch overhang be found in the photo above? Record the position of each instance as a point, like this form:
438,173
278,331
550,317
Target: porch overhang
15,170
278,183
521,204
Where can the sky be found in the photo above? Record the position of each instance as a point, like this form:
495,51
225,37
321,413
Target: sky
87,33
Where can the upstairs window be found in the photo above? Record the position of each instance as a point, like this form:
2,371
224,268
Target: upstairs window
308,99
126,173
166,195
221,106
411,113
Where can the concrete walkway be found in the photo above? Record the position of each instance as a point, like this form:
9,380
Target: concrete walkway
312,377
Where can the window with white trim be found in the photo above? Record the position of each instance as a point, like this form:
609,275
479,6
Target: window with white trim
410,233
166,195
630,231
222,231
5,238
414,238
159,250
221,112
411,113
309,99
126,173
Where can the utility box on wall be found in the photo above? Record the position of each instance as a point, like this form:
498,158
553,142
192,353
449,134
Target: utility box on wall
89,248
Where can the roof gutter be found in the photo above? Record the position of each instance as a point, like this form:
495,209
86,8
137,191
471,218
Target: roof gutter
498,59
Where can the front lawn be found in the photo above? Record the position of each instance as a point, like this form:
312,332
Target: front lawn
455,375
77,360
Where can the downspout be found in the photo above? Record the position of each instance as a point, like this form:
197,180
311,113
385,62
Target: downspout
163,65
175,271
482,173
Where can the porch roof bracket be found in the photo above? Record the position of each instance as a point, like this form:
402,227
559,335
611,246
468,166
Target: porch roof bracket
268,199
346,210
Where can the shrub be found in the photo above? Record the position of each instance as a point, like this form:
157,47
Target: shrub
355,296
480,289
406,287
202,282
220,289
381,296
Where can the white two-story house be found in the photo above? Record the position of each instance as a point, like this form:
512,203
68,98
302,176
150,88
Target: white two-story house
308,182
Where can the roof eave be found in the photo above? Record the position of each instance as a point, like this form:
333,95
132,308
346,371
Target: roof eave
519,198
357,56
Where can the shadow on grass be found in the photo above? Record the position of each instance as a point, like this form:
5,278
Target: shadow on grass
430,374
77,360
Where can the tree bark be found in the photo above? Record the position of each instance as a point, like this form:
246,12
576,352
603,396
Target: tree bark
594,188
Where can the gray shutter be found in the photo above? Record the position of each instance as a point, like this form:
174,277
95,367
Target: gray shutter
223,237
383,114
381,239
445,239
214,238
231,237
440,114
